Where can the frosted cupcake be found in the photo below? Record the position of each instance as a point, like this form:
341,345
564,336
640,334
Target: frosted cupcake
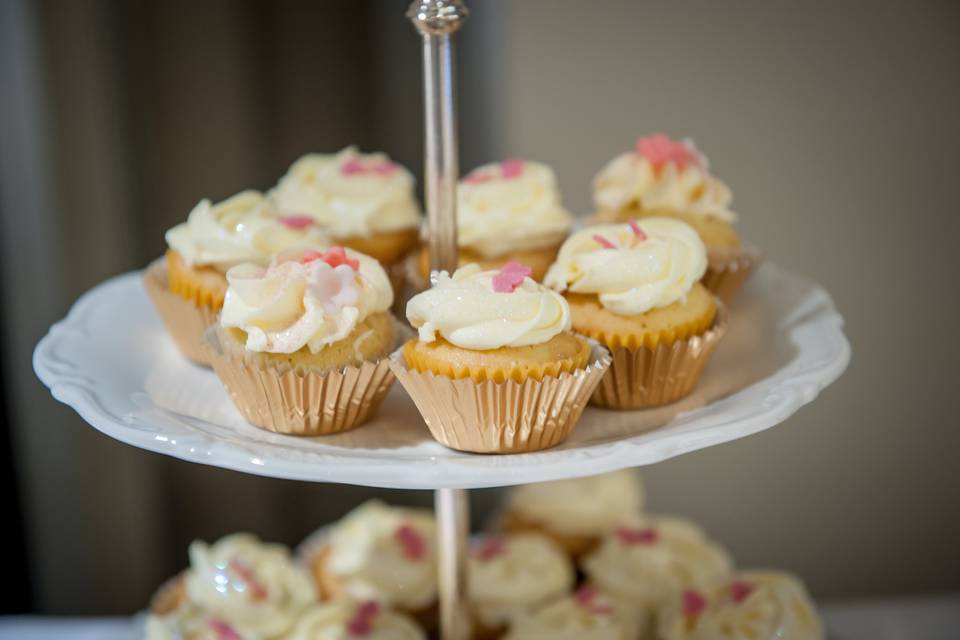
380,553
511,575
349,619
664,177
588,614
574,513
495,368
752,604
237,585
188,286
301,345
509,210
634,288
648,561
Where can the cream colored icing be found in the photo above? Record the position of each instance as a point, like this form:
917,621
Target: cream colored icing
640,272
571,618
349,193
631,178
501,211
515,574
188,622
650,572
303,301
252,586
589,506
369,556
333,621
243,228
466,311
777,607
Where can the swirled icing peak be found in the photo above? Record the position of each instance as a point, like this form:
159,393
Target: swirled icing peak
632,267
304,299
473,309
510,206
663,174
349,193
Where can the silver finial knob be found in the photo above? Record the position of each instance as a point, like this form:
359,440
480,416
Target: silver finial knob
436,17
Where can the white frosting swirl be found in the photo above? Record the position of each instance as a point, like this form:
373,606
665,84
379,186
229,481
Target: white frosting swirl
515,574
188,622
467,312
668,556
510,206
636,274
243,228
349,193
631,178
254,587
369,555
301,300
572,618
770,606
580,506
332,621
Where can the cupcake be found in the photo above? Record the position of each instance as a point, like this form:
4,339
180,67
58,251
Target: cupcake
511,575
380,553
648,561
350,619
751,604
237,585
575,513
494,368
301,345
506,211
188,286
663,177
634,288
364,201
588,614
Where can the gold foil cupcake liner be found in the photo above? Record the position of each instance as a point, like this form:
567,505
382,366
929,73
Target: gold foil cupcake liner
184,320
726,274
504,417
644,377
296,401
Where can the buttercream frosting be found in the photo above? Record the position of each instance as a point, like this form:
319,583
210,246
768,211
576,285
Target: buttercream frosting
586,615
188,622
349,620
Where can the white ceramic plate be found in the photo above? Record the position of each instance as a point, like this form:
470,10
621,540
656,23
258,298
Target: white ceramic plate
111,360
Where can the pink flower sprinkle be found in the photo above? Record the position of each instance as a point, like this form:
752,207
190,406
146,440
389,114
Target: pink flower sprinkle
413,544
223,630
693,603
586,596
637,231
296,222
510,276
603,242
352,167
490,549
659,149
334,256
361,624
257,590
740,590
638,536
512,168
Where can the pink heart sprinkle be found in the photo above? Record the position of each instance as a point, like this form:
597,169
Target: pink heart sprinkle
638,536
257,590
585,594
223,630
352,167
693,603
510,276
512,168
659,149
490,549
413,544
740,590
603,242
637,231
334,256
361,624
296,222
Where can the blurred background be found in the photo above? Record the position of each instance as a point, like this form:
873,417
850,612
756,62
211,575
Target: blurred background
836,123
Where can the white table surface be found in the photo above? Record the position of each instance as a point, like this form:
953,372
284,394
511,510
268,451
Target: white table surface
919,618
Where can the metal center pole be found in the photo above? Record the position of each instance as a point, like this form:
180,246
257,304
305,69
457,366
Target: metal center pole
436,21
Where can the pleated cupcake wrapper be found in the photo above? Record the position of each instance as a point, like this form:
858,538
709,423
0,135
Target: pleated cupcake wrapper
171,594
296,401
646,377
505,417
184,320
726,273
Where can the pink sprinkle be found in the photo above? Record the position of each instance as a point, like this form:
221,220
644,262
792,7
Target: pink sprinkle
512,168
585,594
296,222
477,178
637,231
740,590
659,149
638,536
510,276
352,167
310,255
603,242
223,630
361,624
693,603
385,168
490,549
257,590
334,256
414,546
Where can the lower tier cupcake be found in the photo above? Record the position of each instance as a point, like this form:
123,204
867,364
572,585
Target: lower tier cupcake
345,619
588,614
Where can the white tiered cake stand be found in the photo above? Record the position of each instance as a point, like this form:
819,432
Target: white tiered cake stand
111,360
